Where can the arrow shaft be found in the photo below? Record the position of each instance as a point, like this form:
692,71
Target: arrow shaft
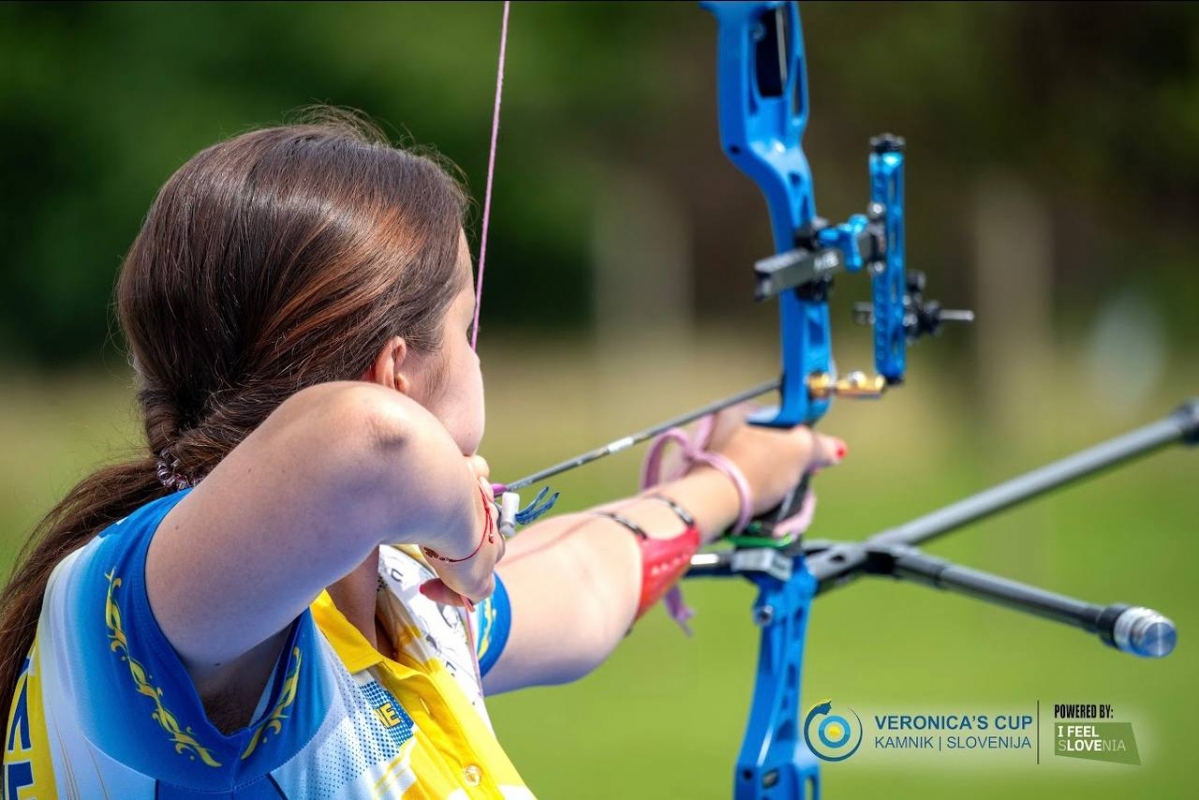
625,442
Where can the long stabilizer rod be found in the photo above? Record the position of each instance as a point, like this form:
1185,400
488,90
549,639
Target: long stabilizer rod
1131,629
1136,630
1181,426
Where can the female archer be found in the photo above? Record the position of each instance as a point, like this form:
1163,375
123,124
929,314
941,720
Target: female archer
294,591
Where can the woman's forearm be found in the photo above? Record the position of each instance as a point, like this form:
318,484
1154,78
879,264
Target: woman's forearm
708,495
574,581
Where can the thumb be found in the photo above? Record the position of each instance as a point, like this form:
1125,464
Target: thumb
438,592
827,451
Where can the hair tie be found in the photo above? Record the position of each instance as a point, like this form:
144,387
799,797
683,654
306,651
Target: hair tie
169,474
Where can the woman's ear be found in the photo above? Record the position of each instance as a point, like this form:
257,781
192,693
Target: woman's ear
388,366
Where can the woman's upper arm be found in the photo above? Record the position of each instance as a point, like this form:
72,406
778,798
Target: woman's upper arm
294,507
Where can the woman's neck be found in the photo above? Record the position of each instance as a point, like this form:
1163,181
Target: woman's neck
355,597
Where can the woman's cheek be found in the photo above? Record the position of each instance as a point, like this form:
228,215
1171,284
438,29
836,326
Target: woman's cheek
463,410
477,412
466,428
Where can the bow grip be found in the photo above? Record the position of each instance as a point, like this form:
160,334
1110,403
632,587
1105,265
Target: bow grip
763,525
766,523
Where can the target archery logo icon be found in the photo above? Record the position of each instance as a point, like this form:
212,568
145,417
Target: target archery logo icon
832,737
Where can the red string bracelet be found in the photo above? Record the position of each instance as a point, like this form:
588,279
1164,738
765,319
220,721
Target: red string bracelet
488,536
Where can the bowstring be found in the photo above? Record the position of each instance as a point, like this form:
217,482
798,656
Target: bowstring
495,133
468,608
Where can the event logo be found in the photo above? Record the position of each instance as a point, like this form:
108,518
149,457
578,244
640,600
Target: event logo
835,737
1086,730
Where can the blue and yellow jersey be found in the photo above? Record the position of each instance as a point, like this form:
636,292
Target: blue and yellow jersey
105,709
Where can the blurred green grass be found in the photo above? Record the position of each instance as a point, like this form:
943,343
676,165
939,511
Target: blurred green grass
664,716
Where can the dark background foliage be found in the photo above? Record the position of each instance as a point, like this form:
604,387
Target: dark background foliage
1095,107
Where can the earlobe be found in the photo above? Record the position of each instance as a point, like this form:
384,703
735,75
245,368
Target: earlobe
387,364
398,362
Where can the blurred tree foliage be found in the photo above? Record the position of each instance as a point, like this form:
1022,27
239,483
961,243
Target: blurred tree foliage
1095,105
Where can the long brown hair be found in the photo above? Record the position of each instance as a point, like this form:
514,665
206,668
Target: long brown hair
275,260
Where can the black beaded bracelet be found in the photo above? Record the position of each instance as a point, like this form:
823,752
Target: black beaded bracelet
625,521
679,511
